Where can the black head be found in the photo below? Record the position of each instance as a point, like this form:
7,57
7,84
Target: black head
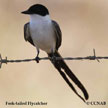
37,9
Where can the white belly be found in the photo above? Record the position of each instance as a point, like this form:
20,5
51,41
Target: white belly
43,36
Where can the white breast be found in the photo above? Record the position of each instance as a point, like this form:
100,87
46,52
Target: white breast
42,32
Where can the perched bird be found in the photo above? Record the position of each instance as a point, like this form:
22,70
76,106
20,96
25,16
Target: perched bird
45,34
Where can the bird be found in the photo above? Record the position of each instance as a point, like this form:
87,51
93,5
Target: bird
44,33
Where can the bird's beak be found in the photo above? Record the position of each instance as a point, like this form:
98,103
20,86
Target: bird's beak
26,12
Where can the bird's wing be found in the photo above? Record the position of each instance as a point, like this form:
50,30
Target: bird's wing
58,34
27,35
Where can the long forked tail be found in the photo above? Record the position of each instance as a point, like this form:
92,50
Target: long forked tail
60,65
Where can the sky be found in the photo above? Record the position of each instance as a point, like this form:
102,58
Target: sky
84,26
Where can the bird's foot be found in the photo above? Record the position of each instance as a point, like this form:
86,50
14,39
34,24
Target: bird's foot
37,59
53,59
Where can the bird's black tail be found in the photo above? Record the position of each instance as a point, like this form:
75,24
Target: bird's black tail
60,65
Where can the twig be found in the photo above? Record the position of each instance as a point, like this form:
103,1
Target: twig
94,57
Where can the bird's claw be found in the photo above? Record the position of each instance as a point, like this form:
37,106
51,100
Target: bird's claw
37,59
53,59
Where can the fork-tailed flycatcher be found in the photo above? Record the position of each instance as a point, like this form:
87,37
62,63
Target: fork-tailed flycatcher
45,34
